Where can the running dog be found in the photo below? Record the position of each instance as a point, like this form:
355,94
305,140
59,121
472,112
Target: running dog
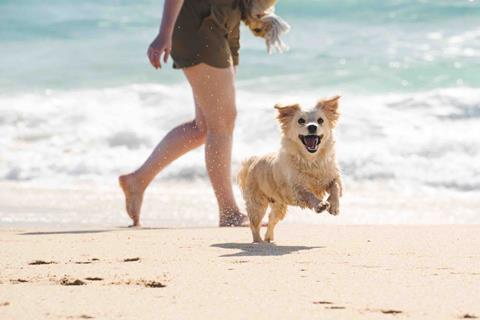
303,173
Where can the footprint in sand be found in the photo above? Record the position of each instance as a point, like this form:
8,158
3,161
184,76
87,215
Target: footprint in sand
131,259
240,261
386,311
4,304
18,280
391,311
154,284
93,278
40,262
329,305
145,283
68,282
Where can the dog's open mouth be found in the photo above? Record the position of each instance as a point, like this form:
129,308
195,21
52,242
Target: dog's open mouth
311,142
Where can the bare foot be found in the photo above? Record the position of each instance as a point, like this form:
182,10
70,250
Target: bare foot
235,219
133,197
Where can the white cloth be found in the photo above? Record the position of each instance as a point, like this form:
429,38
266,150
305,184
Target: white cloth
278,27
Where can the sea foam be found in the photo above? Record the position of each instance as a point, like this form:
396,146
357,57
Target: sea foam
427,139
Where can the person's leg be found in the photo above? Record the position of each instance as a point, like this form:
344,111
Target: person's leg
214,90
177,142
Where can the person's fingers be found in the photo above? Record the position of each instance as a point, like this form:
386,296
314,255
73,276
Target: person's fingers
155,56
151,57
166,54
155,59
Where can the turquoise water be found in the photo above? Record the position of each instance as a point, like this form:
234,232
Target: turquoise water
79,100
363,46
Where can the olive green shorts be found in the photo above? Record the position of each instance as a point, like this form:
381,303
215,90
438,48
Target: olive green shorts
207,31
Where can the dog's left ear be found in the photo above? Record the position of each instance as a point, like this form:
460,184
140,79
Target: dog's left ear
286,113
330,107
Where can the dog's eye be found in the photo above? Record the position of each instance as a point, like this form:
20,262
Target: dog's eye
257,30
301,121
320,120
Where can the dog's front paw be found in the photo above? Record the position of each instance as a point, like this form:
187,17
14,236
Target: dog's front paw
322,206
334,208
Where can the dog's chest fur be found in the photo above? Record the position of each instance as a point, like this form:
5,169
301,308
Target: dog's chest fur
314,175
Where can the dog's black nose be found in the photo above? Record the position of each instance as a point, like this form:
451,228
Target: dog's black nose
312,128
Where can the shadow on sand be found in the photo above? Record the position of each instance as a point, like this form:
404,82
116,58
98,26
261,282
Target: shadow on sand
260,249
85,231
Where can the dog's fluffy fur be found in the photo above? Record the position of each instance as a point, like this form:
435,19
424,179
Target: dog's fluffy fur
302,173
260,17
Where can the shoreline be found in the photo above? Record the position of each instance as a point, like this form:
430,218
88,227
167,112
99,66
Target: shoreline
192,204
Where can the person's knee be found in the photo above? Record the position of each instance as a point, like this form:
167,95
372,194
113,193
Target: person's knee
224,122
229,119
200,129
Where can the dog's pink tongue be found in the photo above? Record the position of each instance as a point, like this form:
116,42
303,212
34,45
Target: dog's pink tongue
311,141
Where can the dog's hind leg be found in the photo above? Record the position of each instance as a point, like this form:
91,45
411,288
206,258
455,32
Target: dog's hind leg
277,213
256,210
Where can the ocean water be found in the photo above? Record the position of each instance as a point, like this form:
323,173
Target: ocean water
79,100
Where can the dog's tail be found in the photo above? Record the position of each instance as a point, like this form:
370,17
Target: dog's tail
243,173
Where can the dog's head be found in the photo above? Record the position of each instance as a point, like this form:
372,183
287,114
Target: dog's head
256,18
258,8
259,27
309,128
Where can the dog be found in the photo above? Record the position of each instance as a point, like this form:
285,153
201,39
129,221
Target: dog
302,173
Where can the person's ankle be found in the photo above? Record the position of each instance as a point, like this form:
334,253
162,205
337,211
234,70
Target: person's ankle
230,217
135,182
229,211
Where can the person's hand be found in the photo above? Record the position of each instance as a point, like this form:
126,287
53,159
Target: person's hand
162,45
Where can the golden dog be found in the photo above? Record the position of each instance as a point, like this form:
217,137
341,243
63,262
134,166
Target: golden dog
301,174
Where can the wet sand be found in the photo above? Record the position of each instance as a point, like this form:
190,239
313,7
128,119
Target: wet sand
325,272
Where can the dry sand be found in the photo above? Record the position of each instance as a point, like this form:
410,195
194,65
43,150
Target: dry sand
324,272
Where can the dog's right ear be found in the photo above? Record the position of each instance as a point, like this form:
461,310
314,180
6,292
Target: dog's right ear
286,113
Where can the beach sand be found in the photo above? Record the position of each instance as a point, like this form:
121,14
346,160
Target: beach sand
324,272
192,204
